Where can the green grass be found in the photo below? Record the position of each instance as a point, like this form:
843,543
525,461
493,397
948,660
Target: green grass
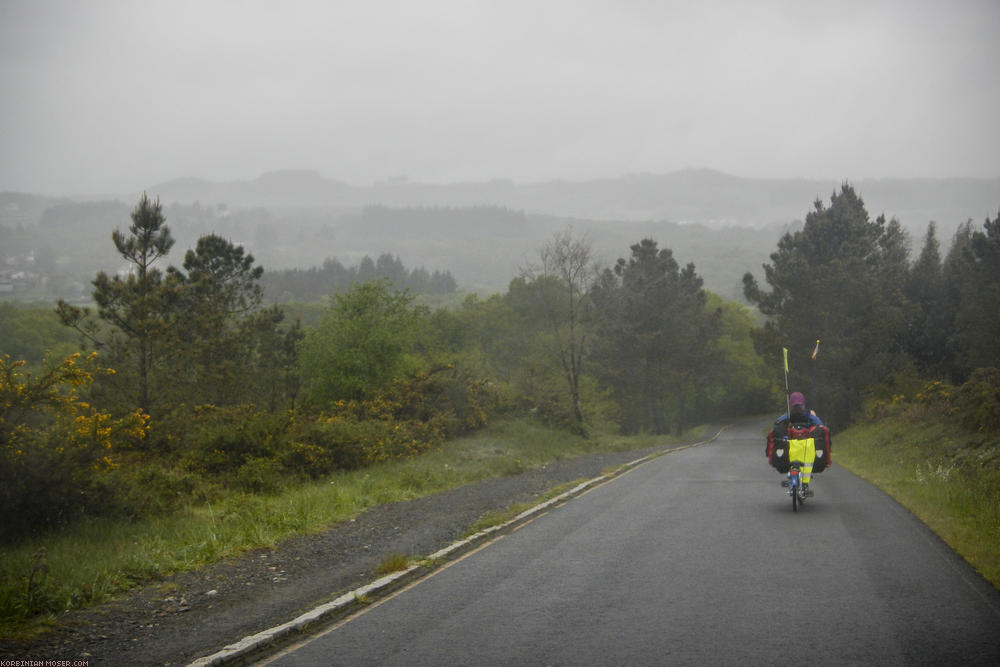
96,560
949,478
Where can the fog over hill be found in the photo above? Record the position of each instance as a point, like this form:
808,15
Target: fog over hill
482,233
703,196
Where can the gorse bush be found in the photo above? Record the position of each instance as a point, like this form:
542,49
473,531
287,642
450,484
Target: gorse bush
975,406
410,416
63,458
442,396
220,440
58,451
326,444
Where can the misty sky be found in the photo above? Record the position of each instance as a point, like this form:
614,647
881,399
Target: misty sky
113,96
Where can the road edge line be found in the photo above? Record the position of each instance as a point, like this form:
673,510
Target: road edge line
258,641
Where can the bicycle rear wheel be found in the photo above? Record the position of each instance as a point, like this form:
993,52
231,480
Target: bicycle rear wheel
795,498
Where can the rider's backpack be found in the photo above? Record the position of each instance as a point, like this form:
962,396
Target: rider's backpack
782,432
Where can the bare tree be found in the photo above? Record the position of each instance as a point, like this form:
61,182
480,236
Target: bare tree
565,274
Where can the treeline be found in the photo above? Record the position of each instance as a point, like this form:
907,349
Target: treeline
318,283
886,325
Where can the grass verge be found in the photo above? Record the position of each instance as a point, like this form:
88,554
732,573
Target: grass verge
499,518
93,561
948,478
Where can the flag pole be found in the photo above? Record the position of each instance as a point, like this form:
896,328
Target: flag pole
812,388
788,399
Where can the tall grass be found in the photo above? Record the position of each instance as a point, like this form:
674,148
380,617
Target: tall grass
97,559
947,477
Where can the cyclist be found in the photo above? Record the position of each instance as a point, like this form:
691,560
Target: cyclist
798,416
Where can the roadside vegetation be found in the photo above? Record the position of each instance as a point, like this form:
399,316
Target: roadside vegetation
937,452
96,559
178,419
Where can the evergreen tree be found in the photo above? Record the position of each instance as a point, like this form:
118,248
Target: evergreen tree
442,282
974,273
955,274
654,338
133,303
366,271
931,316
194,335
840,280
214,331
388,267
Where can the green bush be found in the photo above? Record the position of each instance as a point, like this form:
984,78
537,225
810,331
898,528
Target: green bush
443,397
260,475
154,488
335,443
977,402
220,440
410,416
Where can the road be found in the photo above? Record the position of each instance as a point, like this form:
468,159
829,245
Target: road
694,558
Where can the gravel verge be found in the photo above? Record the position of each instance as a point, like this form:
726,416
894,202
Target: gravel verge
194,614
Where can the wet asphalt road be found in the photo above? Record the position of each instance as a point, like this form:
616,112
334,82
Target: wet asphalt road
694,558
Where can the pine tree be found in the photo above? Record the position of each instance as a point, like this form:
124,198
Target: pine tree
932,315
654,338
974,276
840,280
134,302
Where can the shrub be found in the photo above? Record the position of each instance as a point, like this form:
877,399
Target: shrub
56,450
410,416
260,475
148,489
346,442
977,402
443,396
325,445
220,440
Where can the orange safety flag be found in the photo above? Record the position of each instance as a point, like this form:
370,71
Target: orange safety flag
815,351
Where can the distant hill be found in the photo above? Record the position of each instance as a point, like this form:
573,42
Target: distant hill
703,196
481,233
